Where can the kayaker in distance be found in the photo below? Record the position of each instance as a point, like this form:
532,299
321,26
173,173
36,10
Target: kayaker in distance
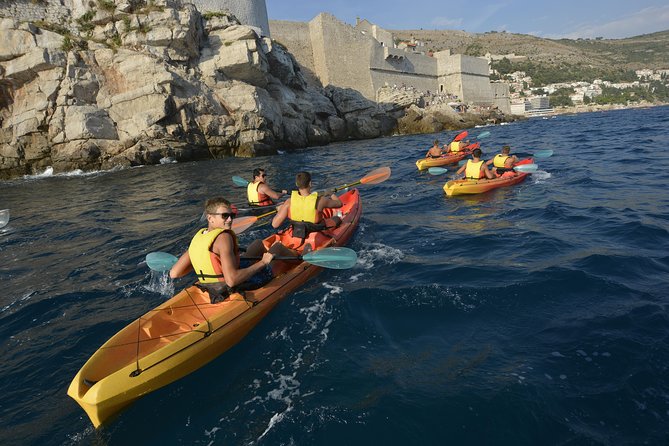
434,151
258,193
304,209
214,255
503,162
475,168
455,146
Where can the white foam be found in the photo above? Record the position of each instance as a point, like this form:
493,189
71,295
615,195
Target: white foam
375,253
540,176
167,160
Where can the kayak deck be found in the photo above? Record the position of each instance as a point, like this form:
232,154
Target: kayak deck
469,187
187,331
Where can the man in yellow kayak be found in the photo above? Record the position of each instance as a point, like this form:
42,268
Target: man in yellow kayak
304,208
434,151
258,193
503,162
475,168
214,255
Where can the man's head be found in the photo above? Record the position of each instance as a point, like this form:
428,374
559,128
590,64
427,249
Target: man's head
220,212
436,142
506,150
477,153
259,174
302,180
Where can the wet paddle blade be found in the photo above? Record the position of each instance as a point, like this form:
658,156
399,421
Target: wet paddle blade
160,261
437,170
376,176
527,168
335,258
239,181
461,136
543,153
483,135
4,217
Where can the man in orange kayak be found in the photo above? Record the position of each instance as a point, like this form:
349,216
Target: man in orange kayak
304,208
214,255
455,146
475,168
258,193
435,150
503,162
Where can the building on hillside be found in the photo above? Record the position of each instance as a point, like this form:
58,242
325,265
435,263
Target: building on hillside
365,59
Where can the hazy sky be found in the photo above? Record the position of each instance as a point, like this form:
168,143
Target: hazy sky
612,19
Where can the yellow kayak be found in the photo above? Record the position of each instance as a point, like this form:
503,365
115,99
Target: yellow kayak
187,331
444,160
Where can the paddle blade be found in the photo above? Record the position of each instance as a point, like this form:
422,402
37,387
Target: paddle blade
335,258
473,146
239,181
4,217
543,153
241,224
437,170
160,261
483,135
528,168
376,176
461,136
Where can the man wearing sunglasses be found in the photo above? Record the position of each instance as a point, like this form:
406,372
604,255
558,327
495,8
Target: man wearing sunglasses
258,193
214,255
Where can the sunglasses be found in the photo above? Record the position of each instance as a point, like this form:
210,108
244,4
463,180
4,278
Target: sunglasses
226,215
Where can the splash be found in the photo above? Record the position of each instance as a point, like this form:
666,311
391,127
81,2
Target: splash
375,253
161,283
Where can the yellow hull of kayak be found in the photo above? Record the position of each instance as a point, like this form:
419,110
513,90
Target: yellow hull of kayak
445,160
468,187
188,331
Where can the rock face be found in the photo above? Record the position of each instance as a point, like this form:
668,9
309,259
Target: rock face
142,81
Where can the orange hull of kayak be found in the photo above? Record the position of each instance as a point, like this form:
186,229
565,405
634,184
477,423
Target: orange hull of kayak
469,187
188,331
444,160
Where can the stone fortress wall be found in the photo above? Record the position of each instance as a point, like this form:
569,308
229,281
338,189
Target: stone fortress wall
51,11
248,12
365,59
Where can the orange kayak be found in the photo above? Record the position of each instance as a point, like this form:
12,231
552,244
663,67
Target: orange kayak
187,331
467,187
444,160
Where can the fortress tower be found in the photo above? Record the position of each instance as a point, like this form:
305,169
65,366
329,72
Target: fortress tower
249,12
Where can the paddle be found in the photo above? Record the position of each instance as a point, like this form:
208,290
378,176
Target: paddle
239,181
528,168
537,154
333,258
461,136
482,135
4,217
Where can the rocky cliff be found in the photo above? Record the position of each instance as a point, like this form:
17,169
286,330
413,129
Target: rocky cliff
131,83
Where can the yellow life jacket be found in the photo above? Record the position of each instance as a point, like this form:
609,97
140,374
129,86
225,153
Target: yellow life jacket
454,146
500,160
303,208
206,264
256,198
473,170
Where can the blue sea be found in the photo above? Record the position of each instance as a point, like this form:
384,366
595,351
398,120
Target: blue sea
530,315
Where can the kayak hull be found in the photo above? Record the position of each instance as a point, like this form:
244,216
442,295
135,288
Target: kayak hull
444,160
188,331
470,187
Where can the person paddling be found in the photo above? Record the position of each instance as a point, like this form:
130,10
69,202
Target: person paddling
434,151
455,147
475,168
503,162
214,255
305,208
258,193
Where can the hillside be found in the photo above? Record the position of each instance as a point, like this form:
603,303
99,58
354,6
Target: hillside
645,51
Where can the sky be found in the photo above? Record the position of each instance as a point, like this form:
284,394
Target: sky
610,19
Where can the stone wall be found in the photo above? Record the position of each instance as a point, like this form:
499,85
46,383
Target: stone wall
296,37
31,11
463,76
396,67
249,12
500,94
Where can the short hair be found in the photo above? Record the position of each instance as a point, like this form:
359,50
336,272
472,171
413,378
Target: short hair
436,142
506,149
477,153
212,204
302,179
257,171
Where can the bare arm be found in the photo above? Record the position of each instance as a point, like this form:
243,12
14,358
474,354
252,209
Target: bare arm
223,246
325,202
265,189
182,267
281,214
461,169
